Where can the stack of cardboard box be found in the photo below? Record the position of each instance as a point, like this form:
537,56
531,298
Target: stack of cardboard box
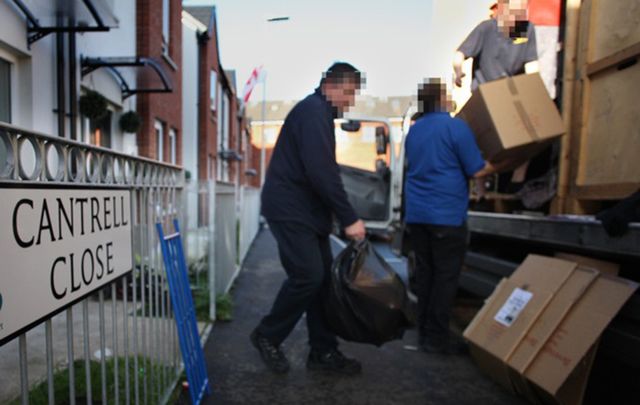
538,332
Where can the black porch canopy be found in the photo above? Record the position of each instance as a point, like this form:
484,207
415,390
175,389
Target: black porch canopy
151,76
47,16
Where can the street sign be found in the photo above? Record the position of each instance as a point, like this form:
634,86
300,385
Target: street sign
57,246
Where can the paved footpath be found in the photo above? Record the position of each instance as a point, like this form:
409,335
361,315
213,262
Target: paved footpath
391,374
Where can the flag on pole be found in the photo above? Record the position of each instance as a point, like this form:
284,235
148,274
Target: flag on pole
257,75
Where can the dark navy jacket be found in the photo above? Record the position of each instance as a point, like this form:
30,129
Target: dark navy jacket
303,181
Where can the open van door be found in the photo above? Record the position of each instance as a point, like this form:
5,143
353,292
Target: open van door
367,162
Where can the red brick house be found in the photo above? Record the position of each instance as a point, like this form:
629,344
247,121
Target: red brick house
159,36
220,122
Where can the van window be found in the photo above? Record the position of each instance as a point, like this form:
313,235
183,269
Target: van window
358,149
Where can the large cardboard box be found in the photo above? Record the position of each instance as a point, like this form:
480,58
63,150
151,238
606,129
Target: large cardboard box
512,118
538,332
602,266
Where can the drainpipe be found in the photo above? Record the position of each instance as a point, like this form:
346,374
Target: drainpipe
60,83
73,90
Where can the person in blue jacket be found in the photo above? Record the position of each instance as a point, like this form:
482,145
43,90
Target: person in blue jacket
301,194
442,156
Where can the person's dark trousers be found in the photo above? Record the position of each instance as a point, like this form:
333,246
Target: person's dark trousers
306,258
440,252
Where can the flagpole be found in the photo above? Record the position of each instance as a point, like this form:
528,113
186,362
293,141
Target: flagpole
263,153
263,72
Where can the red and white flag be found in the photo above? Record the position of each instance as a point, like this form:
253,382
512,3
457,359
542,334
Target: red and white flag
257,75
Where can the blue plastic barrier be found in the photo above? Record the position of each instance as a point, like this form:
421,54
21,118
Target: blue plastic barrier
185,314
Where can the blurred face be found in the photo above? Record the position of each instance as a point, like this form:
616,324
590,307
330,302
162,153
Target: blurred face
341,93
434,96
510,11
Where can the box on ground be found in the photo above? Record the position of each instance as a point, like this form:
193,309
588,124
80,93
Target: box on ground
512,118
538,332
602,266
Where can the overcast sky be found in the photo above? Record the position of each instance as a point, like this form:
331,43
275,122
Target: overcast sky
396,43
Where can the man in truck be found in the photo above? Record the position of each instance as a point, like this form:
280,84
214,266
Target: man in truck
501,47
442,155
301,193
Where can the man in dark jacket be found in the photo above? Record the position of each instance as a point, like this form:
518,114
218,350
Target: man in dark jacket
301,193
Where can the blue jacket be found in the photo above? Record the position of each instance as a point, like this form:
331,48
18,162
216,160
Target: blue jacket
442,155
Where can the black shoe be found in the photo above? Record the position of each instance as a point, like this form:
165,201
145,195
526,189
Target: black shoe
271,354
334,361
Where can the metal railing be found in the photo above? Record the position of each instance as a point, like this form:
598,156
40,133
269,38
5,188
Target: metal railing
118,345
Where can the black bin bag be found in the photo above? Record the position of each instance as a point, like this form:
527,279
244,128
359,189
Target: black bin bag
367,301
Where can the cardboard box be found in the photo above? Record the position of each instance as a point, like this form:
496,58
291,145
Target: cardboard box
537,334
512,118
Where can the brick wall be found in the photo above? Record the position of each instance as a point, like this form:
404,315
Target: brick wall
207,117
163,107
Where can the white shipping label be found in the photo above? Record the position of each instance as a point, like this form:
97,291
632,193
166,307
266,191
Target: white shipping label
509,312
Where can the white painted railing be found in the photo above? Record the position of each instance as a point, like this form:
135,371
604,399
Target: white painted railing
119,343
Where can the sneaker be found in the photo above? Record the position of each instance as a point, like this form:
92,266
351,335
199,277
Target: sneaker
271,354
334,361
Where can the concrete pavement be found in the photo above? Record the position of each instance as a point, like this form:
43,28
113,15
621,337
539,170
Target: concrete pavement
391,374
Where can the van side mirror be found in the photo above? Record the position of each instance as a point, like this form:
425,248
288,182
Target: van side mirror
382,141
350,126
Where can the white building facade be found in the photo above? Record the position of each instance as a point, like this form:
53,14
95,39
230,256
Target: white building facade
33,74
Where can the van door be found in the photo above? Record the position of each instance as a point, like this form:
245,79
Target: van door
367,161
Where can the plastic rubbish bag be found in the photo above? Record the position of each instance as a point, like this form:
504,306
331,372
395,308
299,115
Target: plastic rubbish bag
367,301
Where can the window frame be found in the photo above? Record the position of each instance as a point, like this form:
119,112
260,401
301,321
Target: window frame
159,129
173,155
224,133
166,25
213,90
11,63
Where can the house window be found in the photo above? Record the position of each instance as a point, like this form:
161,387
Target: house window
213,86
159,141
5,91
223,136
172,145
98,131
166,15
220,135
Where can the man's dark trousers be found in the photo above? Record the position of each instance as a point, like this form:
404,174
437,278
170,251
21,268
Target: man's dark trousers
440,252
306,258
